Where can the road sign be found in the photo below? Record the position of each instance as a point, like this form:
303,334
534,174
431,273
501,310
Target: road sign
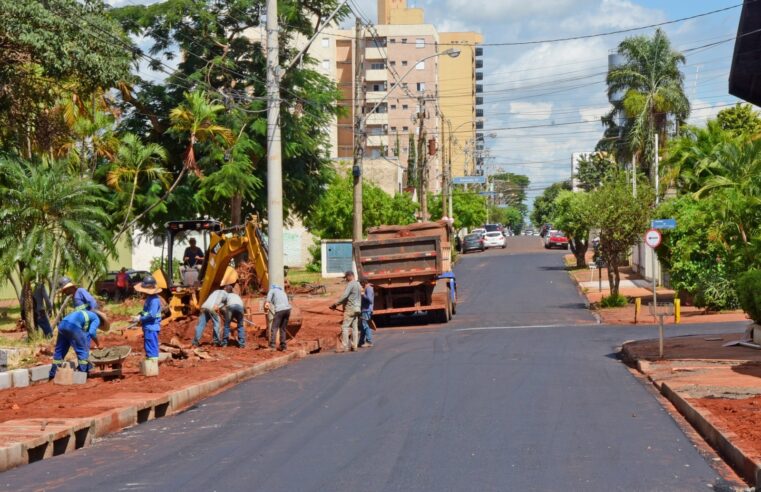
468,180
653,238
488,193
663,224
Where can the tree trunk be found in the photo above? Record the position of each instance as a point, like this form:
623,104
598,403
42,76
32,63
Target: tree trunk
609,265
236,209
27,311
616,280
579,248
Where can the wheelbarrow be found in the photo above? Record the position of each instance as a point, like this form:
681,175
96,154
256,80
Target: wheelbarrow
109,361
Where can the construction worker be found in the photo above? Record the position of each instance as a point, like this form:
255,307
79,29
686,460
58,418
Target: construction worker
77,330
210,310
234,311
82,298
150,317
368,301
351,300
277,299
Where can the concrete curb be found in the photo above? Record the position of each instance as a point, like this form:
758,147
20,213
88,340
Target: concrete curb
721,440
37,439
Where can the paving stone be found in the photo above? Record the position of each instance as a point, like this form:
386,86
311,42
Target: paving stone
66,377
20,378
40,373
149,367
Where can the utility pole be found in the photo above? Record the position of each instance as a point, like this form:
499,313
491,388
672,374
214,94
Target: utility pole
359,130
445,185
422,165
274,150
449,168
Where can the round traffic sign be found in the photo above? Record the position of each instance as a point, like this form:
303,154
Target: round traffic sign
653,238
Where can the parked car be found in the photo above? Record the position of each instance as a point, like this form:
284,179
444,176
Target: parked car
555,239
479,230
495,240
528,232
106,286
493,228
473,242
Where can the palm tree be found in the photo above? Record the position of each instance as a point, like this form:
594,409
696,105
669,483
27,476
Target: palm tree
135,162
50,222
653,92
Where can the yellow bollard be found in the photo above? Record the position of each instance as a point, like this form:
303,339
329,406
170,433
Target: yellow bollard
677,311
637,307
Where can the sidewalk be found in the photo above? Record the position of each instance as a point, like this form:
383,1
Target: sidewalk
633,286
716,388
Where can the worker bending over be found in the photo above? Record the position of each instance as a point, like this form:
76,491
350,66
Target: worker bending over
77,330
150,317
234,310
82,298
210,311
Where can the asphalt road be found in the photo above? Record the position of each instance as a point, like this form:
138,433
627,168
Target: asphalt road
522,392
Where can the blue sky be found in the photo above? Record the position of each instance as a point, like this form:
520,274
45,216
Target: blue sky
563,83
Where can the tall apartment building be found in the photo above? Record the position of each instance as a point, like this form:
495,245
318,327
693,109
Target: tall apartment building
402,72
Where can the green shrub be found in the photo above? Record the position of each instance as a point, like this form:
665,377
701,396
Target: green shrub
749,292
614,301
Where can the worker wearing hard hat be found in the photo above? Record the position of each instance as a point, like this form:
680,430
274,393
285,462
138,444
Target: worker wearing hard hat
150,317
76,331
82,298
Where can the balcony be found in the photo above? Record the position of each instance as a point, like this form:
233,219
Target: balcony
479,63
375,97
479,52
372,53
479,101
479,76
377,141
377,119
377,75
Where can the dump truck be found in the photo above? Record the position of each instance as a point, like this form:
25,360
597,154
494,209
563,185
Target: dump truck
410,268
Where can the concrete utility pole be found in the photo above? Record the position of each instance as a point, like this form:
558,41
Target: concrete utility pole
449,172
445,184
422,158
274,149
359,130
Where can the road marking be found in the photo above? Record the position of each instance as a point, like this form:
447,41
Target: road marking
489,328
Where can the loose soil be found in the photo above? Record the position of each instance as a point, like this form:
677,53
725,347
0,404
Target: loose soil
742,417
693,347
53,401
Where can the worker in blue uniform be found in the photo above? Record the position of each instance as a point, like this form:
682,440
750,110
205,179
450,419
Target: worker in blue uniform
150,317
77,330
82,298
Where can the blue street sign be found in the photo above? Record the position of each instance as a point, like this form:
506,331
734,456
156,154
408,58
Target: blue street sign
663,224
488,193
467,180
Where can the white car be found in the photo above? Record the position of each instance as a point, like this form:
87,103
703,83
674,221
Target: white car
494,240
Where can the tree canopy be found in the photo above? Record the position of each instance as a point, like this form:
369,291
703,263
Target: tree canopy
544,204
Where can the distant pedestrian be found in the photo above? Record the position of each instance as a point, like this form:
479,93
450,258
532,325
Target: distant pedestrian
234,312
277,299
351,300
82,298
42,307
368,302
210,311
122,285
150,317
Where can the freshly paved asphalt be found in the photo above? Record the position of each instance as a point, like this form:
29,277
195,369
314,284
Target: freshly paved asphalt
455,408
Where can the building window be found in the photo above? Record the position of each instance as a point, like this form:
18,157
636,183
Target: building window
404,106
404,40
325,42
405,128
377,66
392,63
393,106
392,40
379,87
404,85
326,64
420,43
404,63
393,128
420,66
421,86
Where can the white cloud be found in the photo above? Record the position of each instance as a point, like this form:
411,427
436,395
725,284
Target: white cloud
504,11
531,111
